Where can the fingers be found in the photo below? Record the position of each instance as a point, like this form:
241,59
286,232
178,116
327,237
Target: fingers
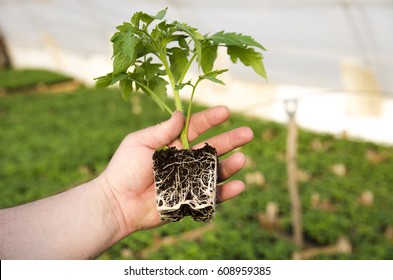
230,166
224,143
229,190
203,121
161,134
227,169
230,140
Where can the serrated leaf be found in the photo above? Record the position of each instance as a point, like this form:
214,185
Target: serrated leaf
161,14
182,85
126,26
215,80
121,62
178,60
212,76
183,43
117,78
109,79
146,18
103,81
249,57
158,86
209,55
125,88
235,39
196,37
150,69
116,40
125,51
175,45
135,19
166,40
162,26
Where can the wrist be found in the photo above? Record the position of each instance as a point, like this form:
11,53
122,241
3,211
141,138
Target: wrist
119,224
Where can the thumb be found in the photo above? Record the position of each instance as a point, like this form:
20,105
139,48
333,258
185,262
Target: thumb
162,134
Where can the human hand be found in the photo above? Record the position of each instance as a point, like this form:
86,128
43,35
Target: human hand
128,179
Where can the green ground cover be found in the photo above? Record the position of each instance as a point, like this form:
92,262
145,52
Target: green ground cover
15,79
49,143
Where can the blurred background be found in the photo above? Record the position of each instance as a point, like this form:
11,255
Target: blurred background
331,60
334,53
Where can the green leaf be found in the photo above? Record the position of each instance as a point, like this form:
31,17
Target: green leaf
182,85
103,81
176,46
126,26
117,78
161,14
166,40
249,57
125,51
158,86
212,76
215,80
125,88
196,37
109,79
121,62
178,60
146,18
209,55
235,39
135,19
183,43
150,70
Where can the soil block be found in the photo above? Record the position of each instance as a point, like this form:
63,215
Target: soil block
185,183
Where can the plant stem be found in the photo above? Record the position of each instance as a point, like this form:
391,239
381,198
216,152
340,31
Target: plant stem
186,127
178,103
164,60
162,56
186,68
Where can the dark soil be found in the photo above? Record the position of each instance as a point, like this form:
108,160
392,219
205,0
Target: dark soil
186,183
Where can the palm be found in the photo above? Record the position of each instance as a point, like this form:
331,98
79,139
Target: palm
130,172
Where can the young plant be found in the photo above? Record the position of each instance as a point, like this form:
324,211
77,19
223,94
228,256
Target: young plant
147,58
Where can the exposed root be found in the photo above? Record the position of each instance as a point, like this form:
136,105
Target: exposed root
186,183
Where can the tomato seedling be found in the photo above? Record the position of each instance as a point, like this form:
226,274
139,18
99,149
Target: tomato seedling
147,58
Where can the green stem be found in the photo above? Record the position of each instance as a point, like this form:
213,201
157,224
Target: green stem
184,133
176,94
162,56
186,68
178,103
186,127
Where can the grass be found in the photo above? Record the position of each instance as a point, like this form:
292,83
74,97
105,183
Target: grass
17,79
49,143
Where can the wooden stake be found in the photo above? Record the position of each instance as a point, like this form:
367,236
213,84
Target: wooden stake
291,106
5,59
343,246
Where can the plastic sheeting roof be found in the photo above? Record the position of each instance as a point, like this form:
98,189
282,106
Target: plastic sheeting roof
312,45
307,41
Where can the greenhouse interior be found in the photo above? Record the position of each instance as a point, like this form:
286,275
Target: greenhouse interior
322,120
